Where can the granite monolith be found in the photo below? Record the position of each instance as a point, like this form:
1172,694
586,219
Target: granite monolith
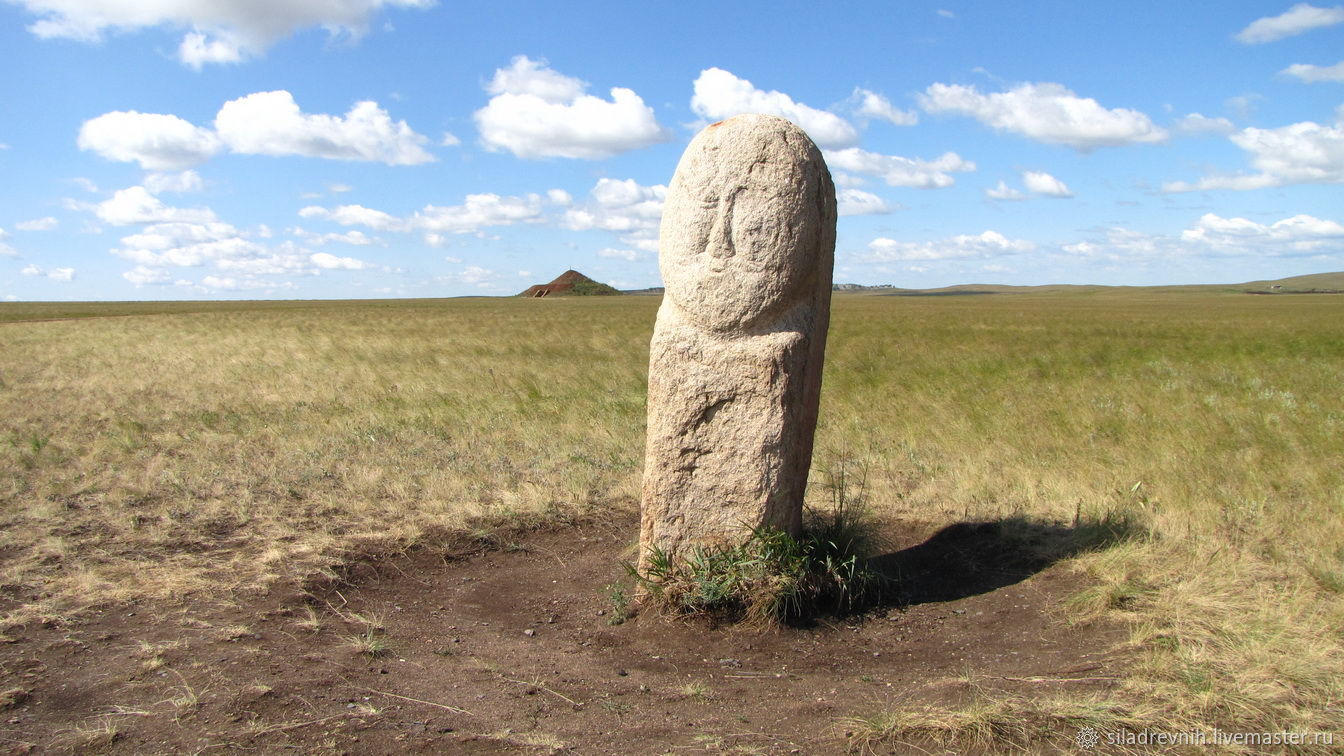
746,249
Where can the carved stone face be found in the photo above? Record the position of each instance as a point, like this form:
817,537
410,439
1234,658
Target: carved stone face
742,222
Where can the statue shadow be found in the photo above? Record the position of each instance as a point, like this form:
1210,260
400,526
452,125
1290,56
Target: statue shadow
970,558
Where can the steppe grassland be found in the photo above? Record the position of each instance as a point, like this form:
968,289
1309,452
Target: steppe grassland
233,446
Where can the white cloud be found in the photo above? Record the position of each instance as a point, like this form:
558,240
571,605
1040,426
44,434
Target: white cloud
478,212
157,142
449,140
1302,153
985,244
85,184
270,123
221,31
536,112
1297,19
1214,235
136,205
902,171
946,13
1198,123
1038,182
263,123
355,215
328,261
55,274
354,238
474,275
623,254
229,283
626,208
36,224
1004,192
874,105
186,181
142,275
1121,244
1310,73
339,188
197,49
1300,234
859,202
1046,112
719,95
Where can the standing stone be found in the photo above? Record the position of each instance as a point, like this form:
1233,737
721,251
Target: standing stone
746,248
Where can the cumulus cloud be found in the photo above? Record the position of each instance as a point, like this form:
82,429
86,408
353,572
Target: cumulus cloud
624,207
353,237
328,261
874,105
271,123
1300,234
229,283
156,141
965,246
536,112
859,202
1046,112
477,212
1005,193
355,215
142,275
5,249
136,204
1312,74
1301,153
902,171
263,123
180,183
719,95
55,274
1198,123
1038,182
474,275
622,254
1300,18
220,31
36,224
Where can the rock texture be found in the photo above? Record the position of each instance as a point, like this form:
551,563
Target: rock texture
746,249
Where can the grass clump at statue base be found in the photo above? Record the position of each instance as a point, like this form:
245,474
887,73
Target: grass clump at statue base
771,578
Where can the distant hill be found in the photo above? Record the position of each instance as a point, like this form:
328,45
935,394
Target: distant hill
571,283
1316,283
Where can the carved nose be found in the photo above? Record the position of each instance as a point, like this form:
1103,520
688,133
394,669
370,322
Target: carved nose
721,234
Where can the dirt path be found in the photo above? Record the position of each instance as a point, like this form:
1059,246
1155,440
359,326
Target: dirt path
511,650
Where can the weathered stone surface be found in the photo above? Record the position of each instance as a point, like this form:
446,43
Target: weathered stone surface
746,249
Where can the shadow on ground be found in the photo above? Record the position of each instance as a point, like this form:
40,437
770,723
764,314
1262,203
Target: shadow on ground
972,558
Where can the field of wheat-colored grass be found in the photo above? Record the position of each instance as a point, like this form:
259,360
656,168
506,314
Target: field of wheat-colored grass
193,450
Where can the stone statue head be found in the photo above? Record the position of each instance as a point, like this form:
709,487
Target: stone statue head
747,215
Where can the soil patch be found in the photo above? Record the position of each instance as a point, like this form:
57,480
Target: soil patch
509,648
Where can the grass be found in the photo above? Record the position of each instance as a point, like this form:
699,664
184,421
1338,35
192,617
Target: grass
771,578
192,449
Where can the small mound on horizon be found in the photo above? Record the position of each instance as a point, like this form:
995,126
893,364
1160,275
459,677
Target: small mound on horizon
570,283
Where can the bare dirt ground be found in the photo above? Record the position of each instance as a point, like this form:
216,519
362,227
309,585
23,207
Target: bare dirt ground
509,648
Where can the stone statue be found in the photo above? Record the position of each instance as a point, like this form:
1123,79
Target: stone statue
746,248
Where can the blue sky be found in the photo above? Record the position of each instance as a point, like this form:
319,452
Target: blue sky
213,149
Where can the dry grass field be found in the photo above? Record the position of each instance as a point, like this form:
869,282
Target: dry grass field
193,452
